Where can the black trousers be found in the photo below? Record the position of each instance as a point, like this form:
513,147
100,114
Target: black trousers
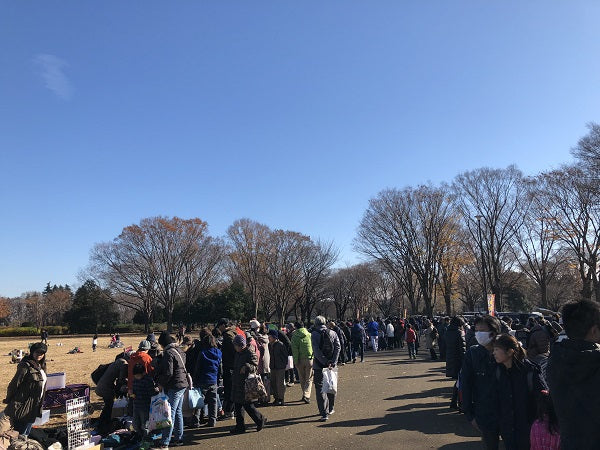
105,416
254,414
228,405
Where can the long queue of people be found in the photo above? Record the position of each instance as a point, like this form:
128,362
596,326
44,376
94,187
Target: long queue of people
533,387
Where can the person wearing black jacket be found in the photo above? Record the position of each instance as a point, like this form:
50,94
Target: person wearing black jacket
25,393
172,378
455,353
228,333
518,381
574,377
477,382
285,340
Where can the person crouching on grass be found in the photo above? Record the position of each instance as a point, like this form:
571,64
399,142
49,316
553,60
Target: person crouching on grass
278,363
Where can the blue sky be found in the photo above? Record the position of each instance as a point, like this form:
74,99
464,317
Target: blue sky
293,114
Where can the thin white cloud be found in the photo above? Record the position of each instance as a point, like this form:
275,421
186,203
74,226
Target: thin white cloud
52,71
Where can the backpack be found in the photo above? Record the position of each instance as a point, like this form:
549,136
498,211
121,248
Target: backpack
326,344
97,374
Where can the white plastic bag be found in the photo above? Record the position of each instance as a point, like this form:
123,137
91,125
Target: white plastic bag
160,412
330,379
290,363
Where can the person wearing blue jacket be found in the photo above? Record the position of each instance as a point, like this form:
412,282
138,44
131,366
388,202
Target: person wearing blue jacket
206,374
373,329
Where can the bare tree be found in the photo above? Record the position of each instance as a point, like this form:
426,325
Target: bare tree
492,199
283,270
316,265
408,228
249,242
573,210
587,150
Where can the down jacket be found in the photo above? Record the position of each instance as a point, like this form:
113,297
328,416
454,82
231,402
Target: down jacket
116,372
25,392
246,360
574,379
456,347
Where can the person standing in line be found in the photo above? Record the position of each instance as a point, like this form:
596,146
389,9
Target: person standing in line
456,348
373,329
245,362
278,361
358,340
574,376
228,333
206,374
431,336
389,335
478,382
172,378
94,342
411,339
303,358
326,351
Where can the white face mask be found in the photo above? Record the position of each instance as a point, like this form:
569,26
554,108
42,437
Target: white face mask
483,337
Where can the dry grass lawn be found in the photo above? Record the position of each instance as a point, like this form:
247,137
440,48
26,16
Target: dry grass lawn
77,367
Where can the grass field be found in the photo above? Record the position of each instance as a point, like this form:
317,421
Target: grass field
77,367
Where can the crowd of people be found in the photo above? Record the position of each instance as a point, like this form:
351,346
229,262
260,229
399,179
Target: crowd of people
531,385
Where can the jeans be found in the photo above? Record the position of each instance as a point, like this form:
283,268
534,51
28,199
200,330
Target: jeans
176,402
374,340
356,347
411,349
325,402
254,414
140,417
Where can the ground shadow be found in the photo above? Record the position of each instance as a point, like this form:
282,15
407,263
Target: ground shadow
406,377
437,392
427,421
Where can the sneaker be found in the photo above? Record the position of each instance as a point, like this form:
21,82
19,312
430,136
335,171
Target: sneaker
332,412
179,443
354,361
211,423
290,384
324,418
261,425
306,400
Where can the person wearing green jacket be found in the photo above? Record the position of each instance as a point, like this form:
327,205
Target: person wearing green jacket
303,358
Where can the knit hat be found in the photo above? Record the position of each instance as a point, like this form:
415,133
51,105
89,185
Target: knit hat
144,345
274,333
254,324
239,340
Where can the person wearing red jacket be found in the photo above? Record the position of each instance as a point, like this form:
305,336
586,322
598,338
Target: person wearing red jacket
411,338
140,357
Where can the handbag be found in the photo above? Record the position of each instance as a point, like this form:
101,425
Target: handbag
195,398
187,374
254,389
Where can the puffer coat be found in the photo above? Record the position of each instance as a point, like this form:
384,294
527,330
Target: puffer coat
247,360
456,348
25,392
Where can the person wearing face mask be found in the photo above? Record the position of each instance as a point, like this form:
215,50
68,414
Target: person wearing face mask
574,376
477,381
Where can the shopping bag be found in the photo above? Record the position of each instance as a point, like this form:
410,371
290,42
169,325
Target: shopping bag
290,363
330,378
254,389
160,412
195,398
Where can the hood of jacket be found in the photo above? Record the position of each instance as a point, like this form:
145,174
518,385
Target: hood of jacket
575,360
